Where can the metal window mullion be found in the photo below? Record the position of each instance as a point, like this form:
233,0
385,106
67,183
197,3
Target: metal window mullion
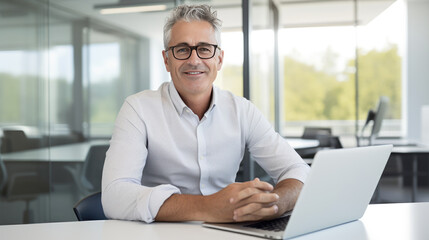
248,165
277,85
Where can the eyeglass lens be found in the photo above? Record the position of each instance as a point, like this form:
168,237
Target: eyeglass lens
203,51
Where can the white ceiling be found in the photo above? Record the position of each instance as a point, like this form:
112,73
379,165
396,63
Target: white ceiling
148,24
293,13
299,13
330,13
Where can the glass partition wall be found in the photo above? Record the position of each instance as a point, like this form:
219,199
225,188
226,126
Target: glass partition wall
231,75
63,78
262,59
24,110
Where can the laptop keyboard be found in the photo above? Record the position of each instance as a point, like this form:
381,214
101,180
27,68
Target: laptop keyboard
276,225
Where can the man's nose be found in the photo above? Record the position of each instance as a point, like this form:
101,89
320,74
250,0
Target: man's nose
194,57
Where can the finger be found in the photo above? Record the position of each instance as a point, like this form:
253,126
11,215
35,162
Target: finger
245,193
246,210
256,209
261,213
263,198
249,195
250,188
267,211
261,185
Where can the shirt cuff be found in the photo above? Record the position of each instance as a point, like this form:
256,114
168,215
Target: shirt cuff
157,197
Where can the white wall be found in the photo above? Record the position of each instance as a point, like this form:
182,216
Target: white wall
417,89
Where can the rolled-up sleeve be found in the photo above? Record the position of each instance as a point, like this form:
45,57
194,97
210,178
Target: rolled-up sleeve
123,195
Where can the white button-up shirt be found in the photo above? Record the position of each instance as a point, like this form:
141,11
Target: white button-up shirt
159,147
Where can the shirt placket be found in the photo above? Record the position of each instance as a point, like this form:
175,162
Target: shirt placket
202,158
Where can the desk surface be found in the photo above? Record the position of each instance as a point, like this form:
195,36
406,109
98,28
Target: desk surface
299,143
411,149
77,152
396,141
63,153
383,221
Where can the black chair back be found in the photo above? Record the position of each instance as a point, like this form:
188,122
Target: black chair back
90,208
3,174
17,140
314,132
93,168
325,137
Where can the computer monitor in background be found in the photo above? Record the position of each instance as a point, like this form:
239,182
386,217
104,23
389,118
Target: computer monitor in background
377,117
383,103
425,125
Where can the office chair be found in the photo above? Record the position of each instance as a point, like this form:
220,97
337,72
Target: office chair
334,142
325,137
89,208
314,132
93,168
3,175
17,140
22,186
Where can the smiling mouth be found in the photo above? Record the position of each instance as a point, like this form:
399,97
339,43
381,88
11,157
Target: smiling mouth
193,73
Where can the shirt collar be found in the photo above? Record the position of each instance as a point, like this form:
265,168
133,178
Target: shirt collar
176,99
213,102
180,106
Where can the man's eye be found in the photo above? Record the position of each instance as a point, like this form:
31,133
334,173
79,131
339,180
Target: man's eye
204,49
182,50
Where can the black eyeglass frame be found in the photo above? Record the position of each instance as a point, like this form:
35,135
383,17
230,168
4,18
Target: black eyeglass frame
193,48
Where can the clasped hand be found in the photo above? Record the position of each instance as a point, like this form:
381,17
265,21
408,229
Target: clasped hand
247,201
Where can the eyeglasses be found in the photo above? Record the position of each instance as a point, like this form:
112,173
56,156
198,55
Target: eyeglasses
183,51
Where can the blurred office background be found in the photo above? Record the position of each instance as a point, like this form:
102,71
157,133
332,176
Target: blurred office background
66,68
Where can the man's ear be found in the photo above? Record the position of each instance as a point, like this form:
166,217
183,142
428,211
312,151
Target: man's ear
164,55
220,60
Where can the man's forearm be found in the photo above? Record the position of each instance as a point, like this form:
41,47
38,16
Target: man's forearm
182,207
288,191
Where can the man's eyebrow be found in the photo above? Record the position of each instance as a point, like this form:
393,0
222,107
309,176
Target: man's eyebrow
203,43
186,44
182,43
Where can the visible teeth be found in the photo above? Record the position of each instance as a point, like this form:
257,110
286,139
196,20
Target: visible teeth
194,72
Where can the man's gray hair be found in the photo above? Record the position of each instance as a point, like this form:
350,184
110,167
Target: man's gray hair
192,13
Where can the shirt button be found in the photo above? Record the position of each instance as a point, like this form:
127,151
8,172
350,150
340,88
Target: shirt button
201,158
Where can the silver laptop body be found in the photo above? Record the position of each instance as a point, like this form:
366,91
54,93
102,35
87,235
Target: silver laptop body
338,190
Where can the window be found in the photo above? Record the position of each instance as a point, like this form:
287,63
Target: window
330,67
381,50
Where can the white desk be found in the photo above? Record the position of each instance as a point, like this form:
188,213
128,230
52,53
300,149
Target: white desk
77,152
299,143
64,153
67,158
397,142
403,221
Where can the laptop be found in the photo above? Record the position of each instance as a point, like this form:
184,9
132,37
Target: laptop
338,190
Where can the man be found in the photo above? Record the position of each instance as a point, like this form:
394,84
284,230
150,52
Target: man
175,152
